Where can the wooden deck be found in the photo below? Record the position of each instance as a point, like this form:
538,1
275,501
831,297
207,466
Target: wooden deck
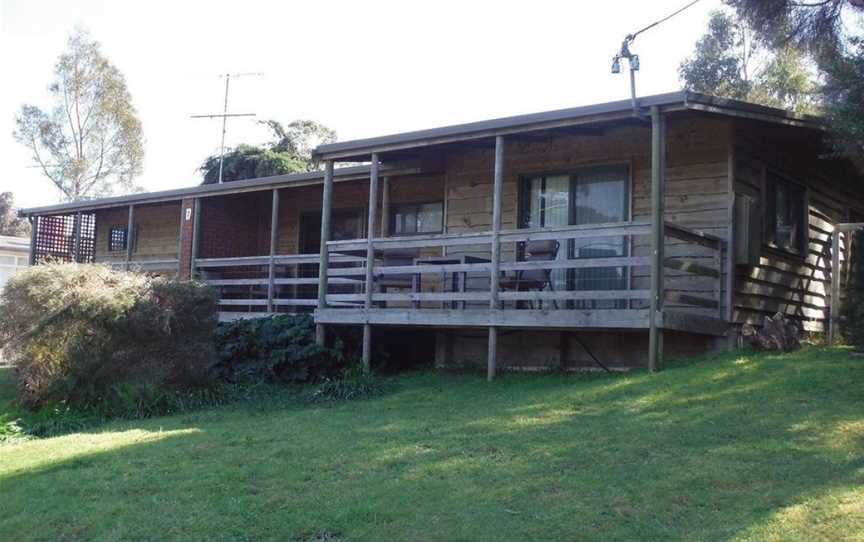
459,294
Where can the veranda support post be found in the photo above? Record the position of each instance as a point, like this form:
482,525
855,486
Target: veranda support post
76,238
494,301
196,234
658,178
34,230
130,237
274,237
370,260
324,260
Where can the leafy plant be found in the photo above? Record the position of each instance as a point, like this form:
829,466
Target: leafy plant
279,348
350,385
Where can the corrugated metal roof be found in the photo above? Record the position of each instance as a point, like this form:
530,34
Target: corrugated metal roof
487,128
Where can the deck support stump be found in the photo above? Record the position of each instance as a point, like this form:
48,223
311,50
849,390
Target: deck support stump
324,259
658,174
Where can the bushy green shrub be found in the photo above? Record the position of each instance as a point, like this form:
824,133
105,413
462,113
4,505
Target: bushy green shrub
854,324
279,348
98,340
351,385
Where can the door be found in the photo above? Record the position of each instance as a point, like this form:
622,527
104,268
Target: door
591,195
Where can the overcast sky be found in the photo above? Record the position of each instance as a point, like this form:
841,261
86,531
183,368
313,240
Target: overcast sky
362,67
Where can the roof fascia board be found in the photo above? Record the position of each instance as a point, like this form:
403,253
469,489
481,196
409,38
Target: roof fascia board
204,191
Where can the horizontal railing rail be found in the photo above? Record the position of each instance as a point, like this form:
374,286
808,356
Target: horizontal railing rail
453,271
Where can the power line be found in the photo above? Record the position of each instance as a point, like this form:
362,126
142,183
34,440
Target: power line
632,36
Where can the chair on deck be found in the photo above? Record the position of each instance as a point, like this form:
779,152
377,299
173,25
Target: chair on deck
536,280
399,281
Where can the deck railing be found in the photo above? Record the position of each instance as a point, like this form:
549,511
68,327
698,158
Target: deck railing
599,268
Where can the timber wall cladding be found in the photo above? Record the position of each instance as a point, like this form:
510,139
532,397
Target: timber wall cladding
157,229
697,192
795,286
347,195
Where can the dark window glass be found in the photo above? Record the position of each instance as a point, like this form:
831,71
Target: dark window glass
591,195
117,238
417,218
785,216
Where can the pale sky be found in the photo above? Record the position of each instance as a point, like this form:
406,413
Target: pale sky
361,67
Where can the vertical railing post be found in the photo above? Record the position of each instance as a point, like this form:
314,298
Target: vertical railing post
370,261
385,206
130,237
76,237
324,260
494,301
274,237
658,174
834,315
196,234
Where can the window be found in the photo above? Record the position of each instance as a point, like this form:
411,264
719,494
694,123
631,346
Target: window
785,214
117,238
591,195
417,218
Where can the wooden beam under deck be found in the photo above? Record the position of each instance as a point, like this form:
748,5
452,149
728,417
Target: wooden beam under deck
608,319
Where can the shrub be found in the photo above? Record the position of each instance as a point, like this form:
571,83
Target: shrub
854,325
117,343
279,348
352,384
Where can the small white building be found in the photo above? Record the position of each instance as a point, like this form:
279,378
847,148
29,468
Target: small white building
14,256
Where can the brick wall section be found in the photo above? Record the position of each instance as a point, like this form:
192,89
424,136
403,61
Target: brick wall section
234,226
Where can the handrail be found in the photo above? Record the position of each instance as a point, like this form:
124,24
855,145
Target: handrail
609,229
279,259
693,236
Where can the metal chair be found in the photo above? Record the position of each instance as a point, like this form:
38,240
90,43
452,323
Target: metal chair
536,280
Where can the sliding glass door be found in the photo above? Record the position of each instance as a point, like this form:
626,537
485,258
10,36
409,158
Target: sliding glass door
591,195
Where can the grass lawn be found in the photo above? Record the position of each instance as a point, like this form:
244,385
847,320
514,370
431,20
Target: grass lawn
748,447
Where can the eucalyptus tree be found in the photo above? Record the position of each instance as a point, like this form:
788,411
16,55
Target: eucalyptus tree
89,141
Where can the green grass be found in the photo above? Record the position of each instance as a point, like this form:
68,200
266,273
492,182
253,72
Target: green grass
749,447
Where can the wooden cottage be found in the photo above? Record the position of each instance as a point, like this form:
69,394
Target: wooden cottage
598,234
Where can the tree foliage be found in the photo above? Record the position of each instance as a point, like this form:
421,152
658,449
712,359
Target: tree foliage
89,143
290,151
728,62
828,32
10,222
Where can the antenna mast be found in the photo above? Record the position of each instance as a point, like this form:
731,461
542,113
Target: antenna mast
224,116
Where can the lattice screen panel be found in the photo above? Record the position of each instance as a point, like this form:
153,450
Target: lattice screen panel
55,238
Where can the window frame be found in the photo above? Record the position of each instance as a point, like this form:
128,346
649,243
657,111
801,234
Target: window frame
391,226
523,195
118,227
769,210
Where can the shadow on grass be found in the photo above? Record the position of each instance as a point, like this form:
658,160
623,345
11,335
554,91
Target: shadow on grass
710,450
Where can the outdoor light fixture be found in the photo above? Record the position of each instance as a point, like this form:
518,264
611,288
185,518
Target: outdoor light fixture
616,64
634,63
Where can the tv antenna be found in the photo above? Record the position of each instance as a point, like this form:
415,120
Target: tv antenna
633,59
224,116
